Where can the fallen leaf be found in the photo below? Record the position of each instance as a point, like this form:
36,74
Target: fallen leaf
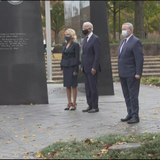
25,136
78,150
104,151
25,153
38,154
155,155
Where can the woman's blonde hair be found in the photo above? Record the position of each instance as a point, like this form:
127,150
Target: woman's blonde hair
72,34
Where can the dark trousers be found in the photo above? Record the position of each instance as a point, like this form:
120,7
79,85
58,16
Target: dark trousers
130,87
91,89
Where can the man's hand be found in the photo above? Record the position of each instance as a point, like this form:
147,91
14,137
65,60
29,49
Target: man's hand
93,71
81,69
74,73
137,76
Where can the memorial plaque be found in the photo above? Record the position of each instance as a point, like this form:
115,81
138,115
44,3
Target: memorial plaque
95,12
22,65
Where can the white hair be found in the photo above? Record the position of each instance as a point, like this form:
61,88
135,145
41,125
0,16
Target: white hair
89,24
130,25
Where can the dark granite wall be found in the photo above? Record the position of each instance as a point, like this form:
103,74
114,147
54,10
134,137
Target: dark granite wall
22,66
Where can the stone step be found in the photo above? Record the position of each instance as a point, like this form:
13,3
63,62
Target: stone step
58,81
113,59
113,63
144,66
148,63
156,70
57,73
145,60
143,75
56,69
55,66
151,68
58,58
148,70
145,57
59,77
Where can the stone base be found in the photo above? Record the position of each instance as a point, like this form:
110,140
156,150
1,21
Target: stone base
123,147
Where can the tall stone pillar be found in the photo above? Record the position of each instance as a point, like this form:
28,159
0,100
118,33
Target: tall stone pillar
78,12
22,65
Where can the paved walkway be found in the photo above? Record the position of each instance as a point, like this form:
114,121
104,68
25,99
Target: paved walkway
28,128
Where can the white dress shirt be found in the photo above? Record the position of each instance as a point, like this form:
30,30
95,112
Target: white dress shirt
89,36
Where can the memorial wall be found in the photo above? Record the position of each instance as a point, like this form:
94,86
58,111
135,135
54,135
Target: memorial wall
22,66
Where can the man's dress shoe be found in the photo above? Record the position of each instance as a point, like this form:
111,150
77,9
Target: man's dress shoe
93,110
133,120
86,110
125,119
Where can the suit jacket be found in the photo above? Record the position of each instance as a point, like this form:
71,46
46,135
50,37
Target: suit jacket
70,56
130,60
91,54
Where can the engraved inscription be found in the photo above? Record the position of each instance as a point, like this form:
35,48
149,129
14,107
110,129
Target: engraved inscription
12,41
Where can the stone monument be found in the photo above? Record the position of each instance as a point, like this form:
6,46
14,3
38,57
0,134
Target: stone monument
78,12
22,64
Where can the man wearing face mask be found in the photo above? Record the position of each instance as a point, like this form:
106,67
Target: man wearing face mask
90,66
130,67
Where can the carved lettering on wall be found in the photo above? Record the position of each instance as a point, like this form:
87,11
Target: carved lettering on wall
12,41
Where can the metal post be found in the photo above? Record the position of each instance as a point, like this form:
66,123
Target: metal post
48,41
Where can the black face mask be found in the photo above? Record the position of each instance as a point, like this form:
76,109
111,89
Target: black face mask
85,31
67,38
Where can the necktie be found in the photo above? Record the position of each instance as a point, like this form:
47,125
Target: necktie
85,42
124,44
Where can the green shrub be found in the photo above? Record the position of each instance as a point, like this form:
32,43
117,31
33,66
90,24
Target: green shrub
144,80
153,79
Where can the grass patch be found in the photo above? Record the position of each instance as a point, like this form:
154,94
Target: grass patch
98,148
153,81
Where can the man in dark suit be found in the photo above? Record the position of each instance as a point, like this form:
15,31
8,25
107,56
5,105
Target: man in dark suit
90,66
130,66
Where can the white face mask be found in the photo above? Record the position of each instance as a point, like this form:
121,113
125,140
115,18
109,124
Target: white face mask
124,33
